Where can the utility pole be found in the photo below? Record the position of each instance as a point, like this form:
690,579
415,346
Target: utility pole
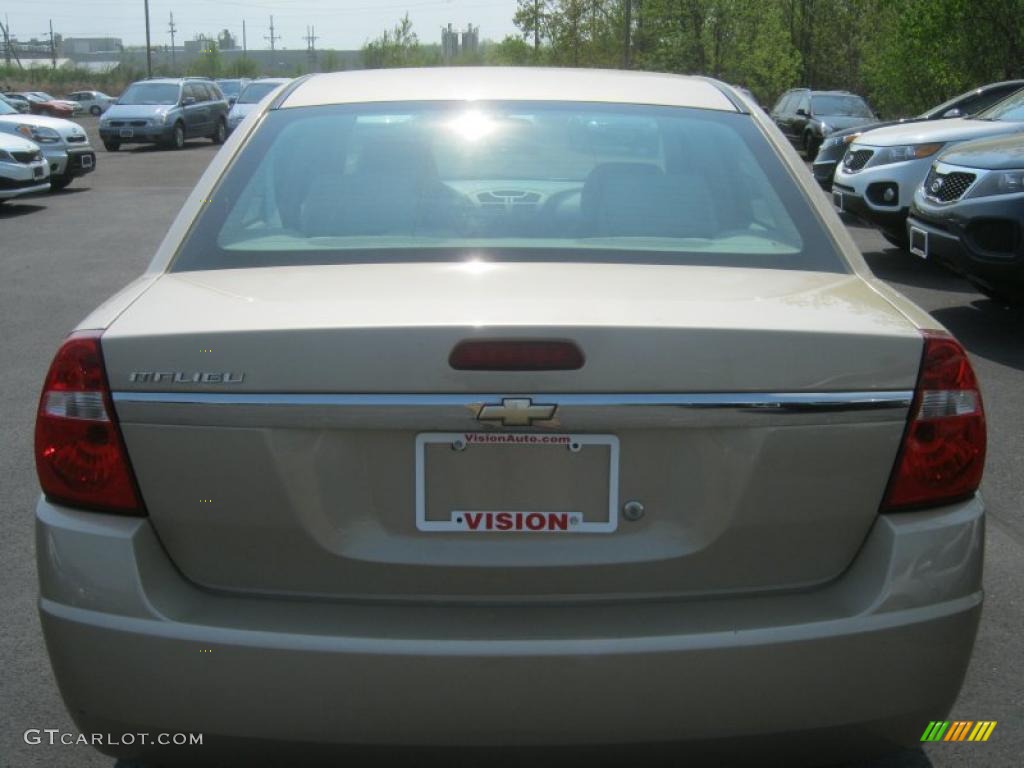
9,49
272,37
245,46
7,43
172,30
310,39
149,52
627,53
311,46
53,47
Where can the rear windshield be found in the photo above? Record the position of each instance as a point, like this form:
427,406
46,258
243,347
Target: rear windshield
254,92
840,106
150,93
230,87
516,181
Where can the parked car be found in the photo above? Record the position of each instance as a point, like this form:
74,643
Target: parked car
23,169
20,105
882,170
251,95
232,87
37,105
446,406
93,102
74,105
64,144
832,149
166,111
969,214
807,117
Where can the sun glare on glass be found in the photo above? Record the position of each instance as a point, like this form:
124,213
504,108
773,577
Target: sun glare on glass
473,125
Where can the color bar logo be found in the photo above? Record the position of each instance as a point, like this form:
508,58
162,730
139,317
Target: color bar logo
958,730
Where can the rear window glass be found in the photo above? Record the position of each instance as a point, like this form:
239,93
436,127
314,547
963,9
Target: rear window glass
254,92
840,106
517,181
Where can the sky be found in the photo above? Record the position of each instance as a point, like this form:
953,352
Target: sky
340,24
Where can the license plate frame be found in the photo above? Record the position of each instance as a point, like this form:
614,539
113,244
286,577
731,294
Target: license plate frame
38,172
918,235
86,161
127,133
837,199
576,524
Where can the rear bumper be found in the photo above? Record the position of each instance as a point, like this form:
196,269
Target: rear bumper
875,655
141,134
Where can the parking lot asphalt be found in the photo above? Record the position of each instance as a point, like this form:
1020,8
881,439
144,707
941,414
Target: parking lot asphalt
62,254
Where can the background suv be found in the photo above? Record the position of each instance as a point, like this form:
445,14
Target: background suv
166,111
831,152
807,117
969,214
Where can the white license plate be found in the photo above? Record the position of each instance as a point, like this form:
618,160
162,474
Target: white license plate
919,242
127,133
86,161
516,483
837,199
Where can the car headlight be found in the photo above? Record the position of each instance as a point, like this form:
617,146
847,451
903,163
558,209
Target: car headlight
1000,183
837,141
826,129
905,152
5,156
39,134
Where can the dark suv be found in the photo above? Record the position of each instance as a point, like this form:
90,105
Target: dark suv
969,214
807,117
166,111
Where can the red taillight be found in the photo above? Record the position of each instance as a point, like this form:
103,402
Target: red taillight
504,355
943,452
80,456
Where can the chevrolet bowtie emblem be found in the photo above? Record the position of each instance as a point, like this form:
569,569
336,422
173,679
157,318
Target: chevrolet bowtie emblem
516,412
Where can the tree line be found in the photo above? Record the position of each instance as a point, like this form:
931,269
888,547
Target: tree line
904,55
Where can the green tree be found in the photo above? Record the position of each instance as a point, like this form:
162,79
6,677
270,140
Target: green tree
331,61
398,47
510,52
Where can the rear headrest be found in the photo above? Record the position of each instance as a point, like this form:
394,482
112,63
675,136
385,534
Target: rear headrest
639,200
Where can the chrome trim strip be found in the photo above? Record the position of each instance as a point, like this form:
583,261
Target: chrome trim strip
772,402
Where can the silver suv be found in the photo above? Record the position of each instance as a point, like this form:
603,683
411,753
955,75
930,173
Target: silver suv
166,111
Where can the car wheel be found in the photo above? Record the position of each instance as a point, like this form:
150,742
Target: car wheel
899,240
221,133
111,146
95,110
178,137
57,183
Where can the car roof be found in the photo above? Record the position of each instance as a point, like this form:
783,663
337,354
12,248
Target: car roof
508,84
